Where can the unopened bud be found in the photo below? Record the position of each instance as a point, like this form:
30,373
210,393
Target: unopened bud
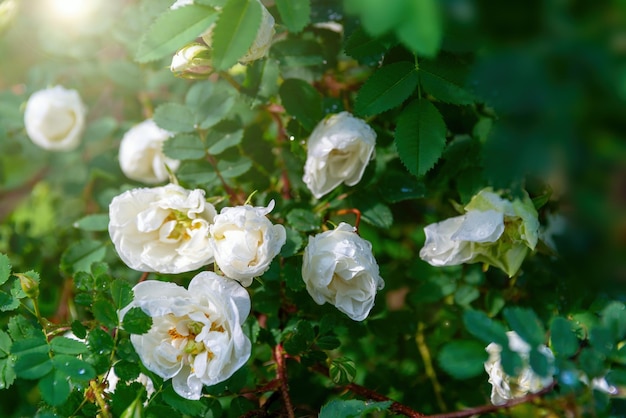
192,61
30,284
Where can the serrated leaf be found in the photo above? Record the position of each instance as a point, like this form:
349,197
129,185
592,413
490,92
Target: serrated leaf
342,371
137,321
184,147
33,365
614,319
463,359
95,222
105,312
230,169
526,323
54,388
175,117
100,342
73,367
80,255
420,136
364,48
64,345
442,80
122,293
303,220
302,101
31,345
220,141
5,268
378,16
296,14
387,88
484,328
216,107
186,407
5,344
352,408
292,244
126,370
7,372
235,31
8,302
562,337
172,30
421,30
328,342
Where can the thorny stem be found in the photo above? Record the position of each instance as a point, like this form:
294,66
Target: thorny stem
281,137
356,213
99,400
428,364
226,76
281,375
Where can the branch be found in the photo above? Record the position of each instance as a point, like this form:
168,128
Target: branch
281,375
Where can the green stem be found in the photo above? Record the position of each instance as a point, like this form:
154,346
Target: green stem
428,365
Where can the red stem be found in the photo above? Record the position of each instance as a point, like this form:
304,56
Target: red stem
232,196
281,375
356,213
275,110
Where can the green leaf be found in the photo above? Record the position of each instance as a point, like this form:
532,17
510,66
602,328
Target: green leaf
378,16
239,406
540,363
463,359
126,370
95,222
526,323
122,293
81,254
367,50
172,30
5,344
217,105
184,406
512,363
296,14
562,337
592,362
184,147
33,365
300,338
443,80
421,30
352,408
301,101
105,312
466,294
293,244
387,88
196,173
5,268
303,220
230,169
328,342
100,342
32,345
484,328
7,372
614,319
175,117
220,141
396,186
420,136
73,367
137,321
64,345
8,302
342,371
54,388
235,31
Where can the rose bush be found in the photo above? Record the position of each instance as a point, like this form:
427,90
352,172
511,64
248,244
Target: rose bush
196,337
141,153
55,118
493,230
162,229
505,387
338,267
245,242
338,151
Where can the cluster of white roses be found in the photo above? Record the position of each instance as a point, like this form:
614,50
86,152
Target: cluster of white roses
505,388
195,59
493,230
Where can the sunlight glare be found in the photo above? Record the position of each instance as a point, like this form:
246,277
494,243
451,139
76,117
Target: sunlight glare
71,10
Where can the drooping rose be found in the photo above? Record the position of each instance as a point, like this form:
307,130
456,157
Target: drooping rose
55,118
504,387
245,241
196,337
339,268
141,153
162,229
493,231
339,149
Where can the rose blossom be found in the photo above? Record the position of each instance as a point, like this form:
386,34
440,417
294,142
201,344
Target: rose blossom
339,268
141,153
196,337
339,149
493,231
245,242
504,387
162,229
192,61
55,118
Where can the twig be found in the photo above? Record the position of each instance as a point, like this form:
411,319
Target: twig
396,407
491,408
356,213
232,196
281,137
281,375
428,365
144,276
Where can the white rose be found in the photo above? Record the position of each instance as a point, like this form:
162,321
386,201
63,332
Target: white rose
196,337
162,229
141,153
55,118
504,387
339,268
245,241
192,61
493,230
339,149
180,3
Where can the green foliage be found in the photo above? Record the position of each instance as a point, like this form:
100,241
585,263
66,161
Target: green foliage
527,325
234,31
296,14
301,101
462,359
351,408
387,88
